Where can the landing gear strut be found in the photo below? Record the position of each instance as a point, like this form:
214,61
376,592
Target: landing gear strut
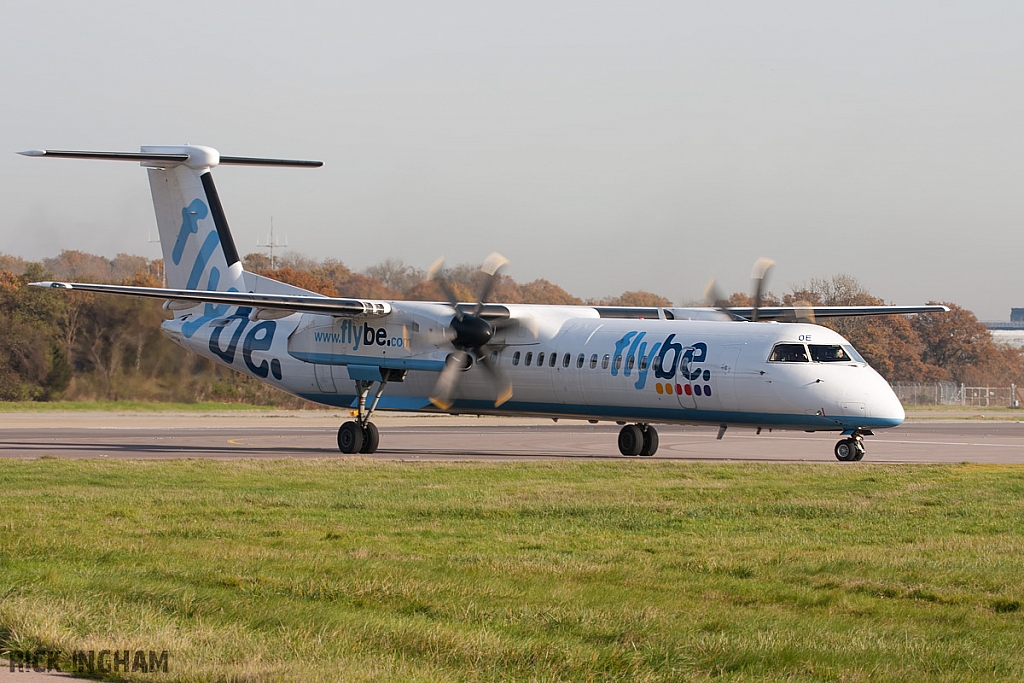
361,435
638,439
852,448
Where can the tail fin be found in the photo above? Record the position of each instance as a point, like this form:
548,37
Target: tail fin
199,252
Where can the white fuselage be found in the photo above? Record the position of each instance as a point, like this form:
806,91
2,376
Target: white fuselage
665,371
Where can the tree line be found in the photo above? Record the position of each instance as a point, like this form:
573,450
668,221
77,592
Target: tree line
83,346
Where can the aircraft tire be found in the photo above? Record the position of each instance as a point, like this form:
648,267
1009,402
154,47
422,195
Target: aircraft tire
631,440
350,437
650,446
846,450
858,450
371,438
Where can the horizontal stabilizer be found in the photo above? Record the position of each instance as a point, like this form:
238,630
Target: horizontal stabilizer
167,159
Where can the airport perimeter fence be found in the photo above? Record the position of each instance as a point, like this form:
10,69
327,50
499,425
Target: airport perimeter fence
952,394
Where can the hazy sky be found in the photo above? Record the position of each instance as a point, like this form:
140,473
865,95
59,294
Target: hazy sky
603,146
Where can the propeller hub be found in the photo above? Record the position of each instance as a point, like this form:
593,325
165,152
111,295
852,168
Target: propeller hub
471,332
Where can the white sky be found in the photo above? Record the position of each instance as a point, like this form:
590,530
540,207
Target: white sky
603,146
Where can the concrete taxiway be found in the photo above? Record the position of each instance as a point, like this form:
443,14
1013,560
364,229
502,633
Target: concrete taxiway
311,434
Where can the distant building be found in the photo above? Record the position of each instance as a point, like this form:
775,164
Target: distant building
1009,333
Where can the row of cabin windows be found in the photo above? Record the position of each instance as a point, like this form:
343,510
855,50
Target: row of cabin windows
581,360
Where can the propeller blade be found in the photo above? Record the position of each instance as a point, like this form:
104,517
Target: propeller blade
501,381
436,273
490,267
714,298
758,276
444,388
803,312
494,263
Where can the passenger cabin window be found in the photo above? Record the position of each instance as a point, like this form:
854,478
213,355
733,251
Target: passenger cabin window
580,359
529,357
515,358
829,353
554,359
630,362
540,359
643,363
618,362
593,361
789,353
566,359
604,361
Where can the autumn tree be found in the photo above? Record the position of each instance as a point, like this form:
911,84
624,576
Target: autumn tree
636,298
955,341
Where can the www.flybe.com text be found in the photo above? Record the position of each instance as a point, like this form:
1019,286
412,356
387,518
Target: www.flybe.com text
358,335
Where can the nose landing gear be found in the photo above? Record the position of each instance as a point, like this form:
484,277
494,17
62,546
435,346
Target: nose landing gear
852,449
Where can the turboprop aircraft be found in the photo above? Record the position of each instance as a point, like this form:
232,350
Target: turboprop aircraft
637,367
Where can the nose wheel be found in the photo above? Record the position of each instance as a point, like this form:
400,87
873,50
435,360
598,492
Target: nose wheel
851,449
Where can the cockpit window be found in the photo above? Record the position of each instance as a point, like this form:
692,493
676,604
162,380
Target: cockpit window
853,354
789,353
829,353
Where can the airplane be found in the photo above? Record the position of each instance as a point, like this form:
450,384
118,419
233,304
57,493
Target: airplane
760,367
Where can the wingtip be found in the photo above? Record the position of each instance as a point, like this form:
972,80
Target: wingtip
33,153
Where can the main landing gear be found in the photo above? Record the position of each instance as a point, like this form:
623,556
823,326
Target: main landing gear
851,449
361,435
638,439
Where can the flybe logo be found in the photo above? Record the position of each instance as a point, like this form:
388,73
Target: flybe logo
358,335
634,353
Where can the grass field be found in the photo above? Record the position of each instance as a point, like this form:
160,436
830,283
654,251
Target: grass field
635,570
122,406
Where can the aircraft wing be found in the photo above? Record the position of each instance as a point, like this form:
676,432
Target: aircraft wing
791,312
179,299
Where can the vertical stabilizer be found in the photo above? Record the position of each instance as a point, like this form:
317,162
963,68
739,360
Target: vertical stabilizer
199,252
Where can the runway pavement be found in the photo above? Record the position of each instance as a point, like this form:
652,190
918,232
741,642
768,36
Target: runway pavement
312,434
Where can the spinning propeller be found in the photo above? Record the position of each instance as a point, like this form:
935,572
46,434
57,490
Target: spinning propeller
757,276
800,311
469,333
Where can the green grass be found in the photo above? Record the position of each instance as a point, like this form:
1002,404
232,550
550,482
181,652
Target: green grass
635,570
123,406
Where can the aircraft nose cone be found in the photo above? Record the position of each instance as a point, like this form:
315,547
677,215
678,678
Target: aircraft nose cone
886,406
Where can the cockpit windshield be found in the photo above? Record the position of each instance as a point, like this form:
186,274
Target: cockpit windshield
789,353
829,353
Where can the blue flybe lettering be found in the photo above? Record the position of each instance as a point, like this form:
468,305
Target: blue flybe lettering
666,369
666,359
190,217
209,245
259,338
